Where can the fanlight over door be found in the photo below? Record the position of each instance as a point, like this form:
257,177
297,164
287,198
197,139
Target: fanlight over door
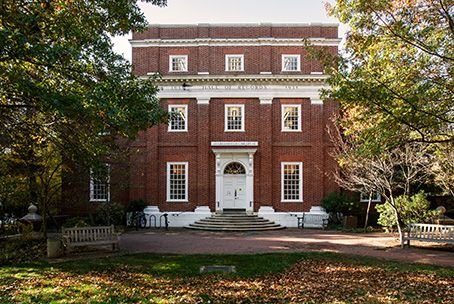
234,168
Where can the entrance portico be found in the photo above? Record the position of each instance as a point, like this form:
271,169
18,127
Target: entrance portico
234,176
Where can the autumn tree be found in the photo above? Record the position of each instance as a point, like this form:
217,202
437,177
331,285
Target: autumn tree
395,78
397,65
394,173
63,89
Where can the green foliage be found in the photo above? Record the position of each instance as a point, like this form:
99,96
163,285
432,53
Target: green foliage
65,95
397,66
412,209
394,78
136,206
110,214
338,203
13,251
76,222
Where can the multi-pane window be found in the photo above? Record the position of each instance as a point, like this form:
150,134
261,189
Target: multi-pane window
375,197
291,63
234,63
292,182
100,183
234,117
178,63
178,120
291,118
177,181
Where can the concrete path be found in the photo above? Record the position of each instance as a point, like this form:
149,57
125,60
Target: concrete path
378,245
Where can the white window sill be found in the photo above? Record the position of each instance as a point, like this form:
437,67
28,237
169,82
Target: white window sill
292,201
234,131
177,201
177,131
292,130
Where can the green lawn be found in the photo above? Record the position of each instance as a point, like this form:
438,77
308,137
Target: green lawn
262,278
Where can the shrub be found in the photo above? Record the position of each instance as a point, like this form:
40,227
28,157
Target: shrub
76,222
13,251
412,209
337,205
110,214
136,206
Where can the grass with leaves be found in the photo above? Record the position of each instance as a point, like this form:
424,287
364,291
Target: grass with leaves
260,278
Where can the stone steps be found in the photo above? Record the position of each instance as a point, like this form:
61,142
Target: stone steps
234,221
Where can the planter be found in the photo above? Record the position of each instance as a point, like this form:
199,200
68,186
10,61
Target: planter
54,248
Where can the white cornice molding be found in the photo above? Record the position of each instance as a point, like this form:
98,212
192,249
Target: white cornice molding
234,143
234,42
251,24
261,78
265,93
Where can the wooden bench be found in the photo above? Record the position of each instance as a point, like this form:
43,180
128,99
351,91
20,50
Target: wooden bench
88,236
313,219
429,233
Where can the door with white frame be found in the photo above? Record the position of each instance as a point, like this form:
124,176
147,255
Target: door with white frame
234,187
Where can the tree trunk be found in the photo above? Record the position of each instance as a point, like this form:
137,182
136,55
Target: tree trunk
400,225
367,212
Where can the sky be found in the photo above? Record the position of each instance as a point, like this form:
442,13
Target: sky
230,11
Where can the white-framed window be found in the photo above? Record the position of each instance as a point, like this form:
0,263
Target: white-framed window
234,118
178,120
291,63
291,118
178,63
292,181
364,197
234,63
100,183
177,181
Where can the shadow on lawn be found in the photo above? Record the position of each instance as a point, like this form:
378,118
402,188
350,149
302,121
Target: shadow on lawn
263,278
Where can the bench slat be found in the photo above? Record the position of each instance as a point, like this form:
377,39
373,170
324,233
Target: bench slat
83,236
430,233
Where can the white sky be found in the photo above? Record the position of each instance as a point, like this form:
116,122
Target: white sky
231,11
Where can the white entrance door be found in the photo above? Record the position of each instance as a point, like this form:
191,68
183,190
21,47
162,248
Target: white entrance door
234,196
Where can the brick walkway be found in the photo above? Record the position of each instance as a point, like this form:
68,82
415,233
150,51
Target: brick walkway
378,245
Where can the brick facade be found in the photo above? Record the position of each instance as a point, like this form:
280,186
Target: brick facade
210,87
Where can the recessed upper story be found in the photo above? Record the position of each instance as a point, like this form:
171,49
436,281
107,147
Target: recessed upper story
231,49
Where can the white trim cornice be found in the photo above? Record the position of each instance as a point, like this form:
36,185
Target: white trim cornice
234,144
244,24
234,42
277,79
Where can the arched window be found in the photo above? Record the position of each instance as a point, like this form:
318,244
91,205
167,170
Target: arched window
234,168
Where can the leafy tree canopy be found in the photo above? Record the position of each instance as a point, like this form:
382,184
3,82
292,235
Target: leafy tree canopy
64,93
60,78
396,71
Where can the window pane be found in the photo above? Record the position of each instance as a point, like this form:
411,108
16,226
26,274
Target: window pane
177,181
291,118
291,182
290,63
234,118
234,63
179,64
100,183
177,118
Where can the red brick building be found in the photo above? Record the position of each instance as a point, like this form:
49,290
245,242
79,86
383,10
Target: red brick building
248,128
